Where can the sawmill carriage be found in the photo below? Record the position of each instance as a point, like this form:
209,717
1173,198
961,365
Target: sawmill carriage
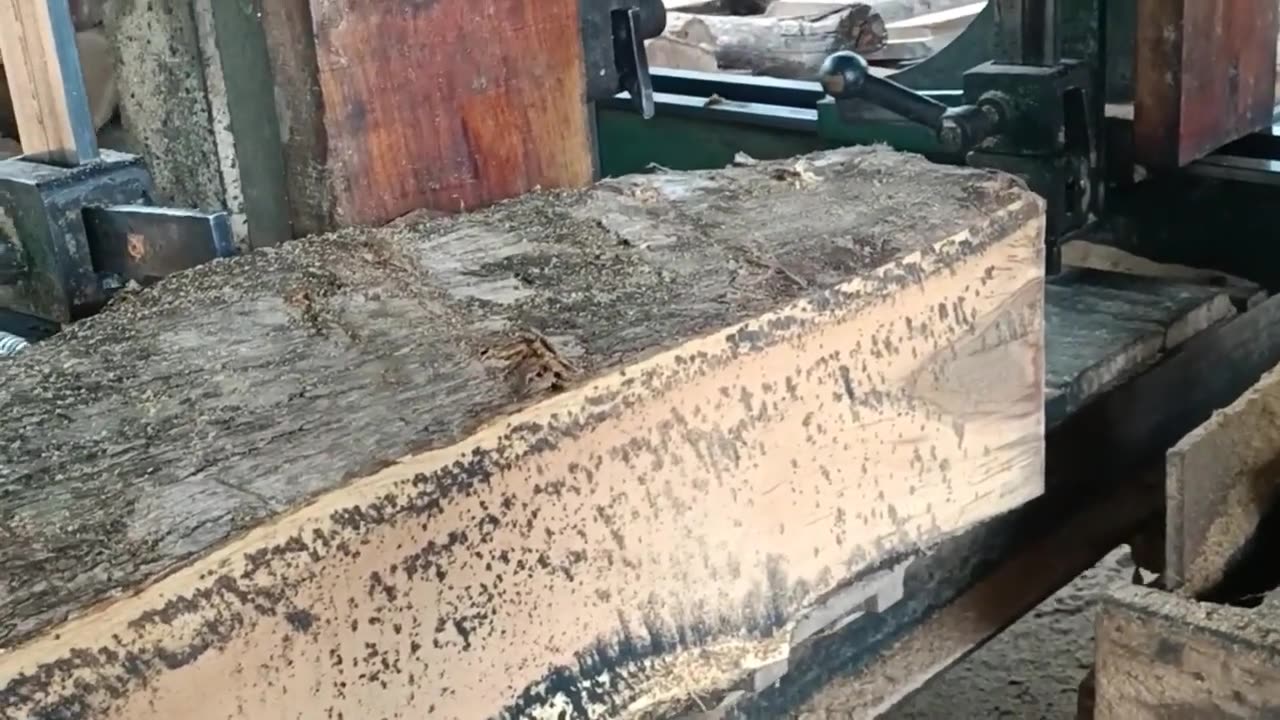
462,359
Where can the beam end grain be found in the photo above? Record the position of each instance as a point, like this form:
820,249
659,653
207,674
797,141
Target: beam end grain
637,427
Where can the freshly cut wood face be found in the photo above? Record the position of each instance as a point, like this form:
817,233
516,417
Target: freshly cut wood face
649,436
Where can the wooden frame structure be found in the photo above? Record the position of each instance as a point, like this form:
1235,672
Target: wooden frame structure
42,68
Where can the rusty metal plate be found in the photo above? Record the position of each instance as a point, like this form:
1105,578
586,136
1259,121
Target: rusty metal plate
1205,75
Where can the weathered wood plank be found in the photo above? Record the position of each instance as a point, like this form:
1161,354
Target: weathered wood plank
1082,253
1222,481
1164,656
448,105
669,413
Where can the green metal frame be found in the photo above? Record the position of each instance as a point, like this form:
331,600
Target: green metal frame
685,135
1167,219
630,144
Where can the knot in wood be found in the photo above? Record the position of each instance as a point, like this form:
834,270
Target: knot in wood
530,364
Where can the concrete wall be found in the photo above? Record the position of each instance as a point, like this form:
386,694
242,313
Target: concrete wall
200,127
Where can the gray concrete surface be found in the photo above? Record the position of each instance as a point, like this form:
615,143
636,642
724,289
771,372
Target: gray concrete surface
1034,668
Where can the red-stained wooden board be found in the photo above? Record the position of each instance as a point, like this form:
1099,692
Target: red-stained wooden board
1204,76
392,106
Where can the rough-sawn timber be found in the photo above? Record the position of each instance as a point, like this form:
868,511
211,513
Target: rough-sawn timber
567,443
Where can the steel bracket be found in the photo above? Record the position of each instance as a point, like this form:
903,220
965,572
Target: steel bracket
72,236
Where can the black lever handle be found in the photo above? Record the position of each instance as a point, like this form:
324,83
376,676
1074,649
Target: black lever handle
847,76
630,58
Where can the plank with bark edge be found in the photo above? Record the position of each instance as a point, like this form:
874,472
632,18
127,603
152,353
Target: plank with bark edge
666,415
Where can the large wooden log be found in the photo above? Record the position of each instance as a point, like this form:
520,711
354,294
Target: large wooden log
686,46
674,415
789,47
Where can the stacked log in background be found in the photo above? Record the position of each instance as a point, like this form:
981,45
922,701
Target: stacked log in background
790,38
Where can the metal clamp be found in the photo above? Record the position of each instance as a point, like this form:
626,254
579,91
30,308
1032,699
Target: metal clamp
613,35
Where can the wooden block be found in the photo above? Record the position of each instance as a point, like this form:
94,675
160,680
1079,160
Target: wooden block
1163,656
42,70
658,418
449,105
1204,76
1221,482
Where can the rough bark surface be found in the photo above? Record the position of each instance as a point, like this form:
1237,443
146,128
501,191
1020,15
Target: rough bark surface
189,413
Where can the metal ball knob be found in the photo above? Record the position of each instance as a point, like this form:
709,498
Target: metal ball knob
843,74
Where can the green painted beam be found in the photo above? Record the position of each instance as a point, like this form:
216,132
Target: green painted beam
629,144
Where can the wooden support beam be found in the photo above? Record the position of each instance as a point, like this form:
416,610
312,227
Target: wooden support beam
449,105
1164,656
1204,75
512,460
42,67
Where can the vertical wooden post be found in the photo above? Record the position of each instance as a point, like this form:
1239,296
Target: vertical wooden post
1204,75
38,46
450,105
